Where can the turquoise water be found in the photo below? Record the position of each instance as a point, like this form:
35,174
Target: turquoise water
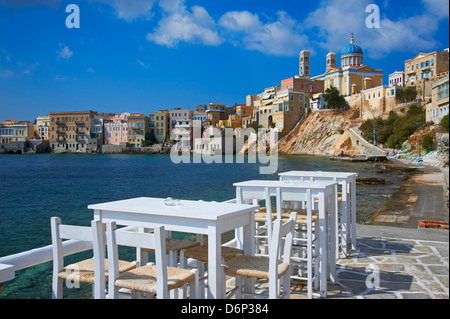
33,188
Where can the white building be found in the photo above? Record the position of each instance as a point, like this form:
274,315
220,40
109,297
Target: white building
317,102
397,78
42,125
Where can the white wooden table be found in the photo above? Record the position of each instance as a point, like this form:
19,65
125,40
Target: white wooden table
326,193
348,217
197,217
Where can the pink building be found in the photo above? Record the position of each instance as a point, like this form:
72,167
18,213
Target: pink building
178,114
116,129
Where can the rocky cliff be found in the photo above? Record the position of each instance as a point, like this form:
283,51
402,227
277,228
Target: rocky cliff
323,133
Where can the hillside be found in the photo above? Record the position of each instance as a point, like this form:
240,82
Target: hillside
322,133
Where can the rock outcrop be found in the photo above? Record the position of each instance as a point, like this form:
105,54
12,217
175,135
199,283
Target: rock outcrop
322,133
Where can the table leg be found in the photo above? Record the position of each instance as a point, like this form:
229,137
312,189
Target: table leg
249,249
353,212
345,220
334,240
323,244
215,282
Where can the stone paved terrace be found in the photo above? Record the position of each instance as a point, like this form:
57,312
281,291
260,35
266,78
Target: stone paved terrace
408,268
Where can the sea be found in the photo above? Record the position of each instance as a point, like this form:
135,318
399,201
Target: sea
34,188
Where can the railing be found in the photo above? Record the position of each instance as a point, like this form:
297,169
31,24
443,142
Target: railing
10,264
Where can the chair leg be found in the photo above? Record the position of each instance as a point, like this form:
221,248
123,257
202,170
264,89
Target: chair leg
57,287
287,286
194,286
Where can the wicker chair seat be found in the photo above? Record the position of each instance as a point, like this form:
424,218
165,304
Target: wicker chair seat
201,253
144,279
175,244
83,271
253,266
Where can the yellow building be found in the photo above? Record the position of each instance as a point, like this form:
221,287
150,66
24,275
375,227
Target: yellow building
12,131
137,129
353,76
161,125
439,107
425,66
235,120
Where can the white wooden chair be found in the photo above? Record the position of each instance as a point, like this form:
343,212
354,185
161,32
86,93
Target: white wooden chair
305,241
86,271
155,279
263,228
273,268
200,255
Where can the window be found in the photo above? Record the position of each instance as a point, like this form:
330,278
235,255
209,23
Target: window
432,62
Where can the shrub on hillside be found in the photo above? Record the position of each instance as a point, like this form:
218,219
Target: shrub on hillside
444,123
395,130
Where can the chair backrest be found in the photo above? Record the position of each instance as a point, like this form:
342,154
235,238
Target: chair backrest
156,241
82,233
94,234
281,231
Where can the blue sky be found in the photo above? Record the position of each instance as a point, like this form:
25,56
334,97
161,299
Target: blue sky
146,55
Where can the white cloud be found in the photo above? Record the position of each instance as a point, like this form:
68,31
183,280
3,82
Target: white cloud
439,8
335,20
282,37
181,25
238,21
64,52
142,64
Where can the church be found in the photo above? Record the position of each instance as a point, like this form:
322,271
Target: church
352,77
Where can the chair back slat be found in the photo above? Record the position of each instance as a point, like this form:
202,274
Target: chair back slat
75,232
281,231
156,241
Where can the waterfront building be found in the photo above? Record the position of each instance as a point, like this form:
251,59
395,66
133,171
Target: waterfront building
216,112
161,120
201,108
13,131
179,114
137,129
235,120
71,131
199,116
281,107
42,127
116,129
182,133
439,107
397,78
353,76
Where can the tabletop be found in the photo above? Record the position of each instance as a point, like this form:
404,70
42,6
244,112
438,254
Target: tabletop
286,184
180,208
318,174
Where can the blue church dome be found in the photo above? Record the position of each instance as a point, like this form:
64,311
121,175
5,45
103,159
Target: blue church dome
352,48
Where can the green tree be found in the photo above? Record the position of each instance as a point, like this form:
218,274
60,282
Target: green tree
334,98
150,139
444,123
406,94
